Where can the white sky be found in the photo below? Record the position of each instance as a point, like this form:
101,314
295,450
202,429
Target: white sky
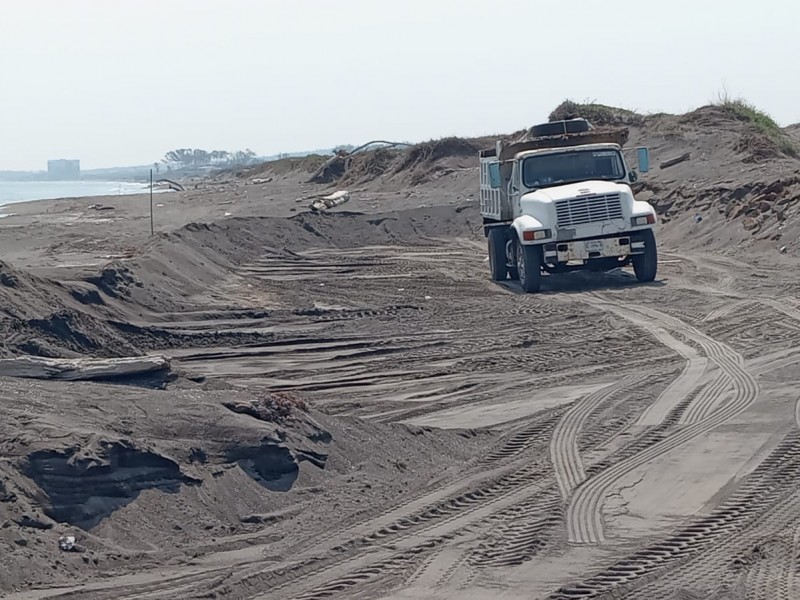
120,82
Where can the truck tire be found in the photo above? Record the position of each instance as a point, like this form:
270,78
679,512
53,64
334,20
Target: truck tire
529,267
645,265
498,264
560,127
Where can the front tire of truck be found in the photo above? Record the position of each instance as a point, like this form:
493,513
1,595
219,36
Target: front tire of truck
498,263
529,267
645,265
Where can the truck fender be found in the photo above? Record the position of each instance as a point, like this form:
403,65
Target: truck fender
524,223
639,207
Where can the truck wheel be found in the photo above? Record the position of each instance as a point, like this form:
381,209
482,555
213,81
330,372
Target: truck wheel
529,267
645,265
497,254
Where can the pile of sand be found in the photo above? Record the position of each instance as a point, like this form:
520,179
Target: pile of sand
101,313
111,466
48,318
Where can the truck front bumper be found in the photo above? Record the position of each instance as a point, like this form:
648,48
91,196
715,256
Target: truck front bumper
582,250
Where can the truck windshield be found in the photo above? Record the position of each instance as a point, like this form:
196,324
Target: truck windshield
569,167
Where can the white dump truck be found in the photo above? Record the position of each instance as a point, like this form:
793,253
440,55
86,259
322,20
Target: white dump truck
559,200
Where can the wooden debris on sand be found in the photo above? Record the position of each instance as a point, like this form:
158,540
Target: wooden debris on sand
73,369
326,202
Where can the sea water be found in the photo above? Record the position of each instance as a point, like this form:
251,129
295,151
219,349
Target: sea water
22,191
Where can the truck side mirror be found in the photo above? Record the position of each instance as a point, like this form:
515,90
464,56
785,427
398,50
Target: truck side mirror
494,175
644,159
632,176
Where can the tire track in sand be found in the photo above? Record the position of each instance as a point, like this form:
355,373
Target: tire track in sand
782,307
564,452
584,512
703,550
792,578
706,400
727,309
683,385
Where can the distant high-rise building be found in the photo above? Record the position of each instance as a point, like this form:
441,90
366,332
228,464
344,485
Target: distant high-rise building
63,169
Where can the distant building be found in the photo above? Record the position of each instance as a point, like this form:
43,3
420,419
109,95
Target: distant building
63,169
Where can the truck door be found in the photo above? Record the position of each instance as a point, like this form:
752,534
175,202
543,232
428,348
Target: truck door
514,189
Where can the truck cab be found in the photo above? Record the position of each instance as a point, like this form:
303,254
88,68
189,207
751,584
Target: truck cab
559,202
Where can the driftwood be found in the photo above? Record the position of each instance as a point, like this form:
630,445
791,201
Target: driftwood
674,161
335,199
173,185
72,369
340,162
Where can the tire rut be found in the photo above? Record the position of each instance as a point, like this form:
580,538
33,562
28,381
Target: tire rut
522,532
727,309
706,400
681,386
749,505
564,453
520,521
584,513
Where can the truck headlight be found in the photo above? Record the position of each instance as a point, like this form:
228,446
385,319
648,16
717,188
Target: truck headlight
533,235
643,220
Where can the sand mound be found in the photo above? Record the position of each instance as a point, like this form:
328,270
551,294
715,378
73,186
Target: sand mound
793,131
410,166
208,464
172,274
757,137
367,166
48,318
275,168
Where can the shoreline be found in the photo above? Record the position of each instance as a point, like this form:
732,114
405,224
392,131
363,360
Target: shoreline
129,189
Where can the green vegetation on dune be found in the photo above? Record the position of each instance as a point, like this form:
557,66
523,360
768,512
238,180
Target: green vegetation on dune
597,114
760,121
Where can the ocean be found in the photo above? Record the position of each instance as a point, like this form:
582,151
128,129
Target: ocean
21,191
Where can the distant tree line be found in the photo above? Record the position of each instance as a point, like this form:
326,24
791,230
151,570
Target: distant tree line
195,158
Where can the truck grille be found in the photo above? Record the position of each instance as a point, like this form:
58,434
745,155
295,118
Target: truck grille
588,209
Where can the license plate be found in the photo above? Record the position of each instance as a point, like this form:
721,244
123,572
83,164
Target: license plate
594,246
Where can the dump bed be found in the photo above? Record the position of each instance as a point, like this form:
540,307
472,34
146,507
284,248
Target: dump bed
504,152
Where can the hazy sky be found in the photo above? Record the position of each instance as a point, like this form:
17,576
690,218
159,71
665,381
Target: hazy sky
120,82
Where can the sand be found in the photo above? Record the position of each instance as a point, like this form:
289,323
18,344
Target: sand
357,411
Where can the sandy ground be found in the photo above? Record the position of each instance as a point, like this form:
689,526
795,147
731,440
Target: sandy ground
602,439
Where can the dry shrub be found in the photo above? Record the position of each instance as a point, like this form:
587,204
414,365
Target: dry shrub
366,166
270,407
331,171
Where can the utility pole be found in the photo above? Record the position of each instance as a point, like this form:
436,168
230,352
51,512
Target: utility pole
152,228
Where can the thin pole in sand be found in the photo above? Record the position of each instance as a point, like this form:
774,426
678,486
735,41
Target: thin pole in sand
151,203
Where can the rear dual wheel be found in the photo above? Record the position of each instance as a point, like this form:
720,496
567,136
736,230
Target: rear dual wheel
498,262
